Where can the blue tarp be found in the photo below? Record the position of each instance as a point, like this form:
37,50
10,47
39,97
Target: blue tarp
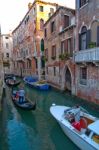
31,79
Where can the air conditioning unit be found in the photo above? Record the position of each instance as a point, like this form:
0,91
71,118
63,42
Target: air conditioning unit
60,29
73,21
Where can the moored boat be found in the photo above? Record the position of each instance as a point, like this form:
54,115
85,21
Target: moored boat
85,133
34,83
41,86
11,83
26,104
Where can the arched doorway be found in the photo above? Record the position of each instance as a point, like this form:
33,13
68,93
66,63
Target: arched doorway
68,80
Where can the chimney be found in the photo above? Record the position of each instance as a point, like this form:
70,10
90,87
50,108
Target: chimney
29,6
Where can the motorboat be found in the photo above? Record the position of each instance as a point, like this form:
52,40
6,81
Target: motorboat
34,83
84,133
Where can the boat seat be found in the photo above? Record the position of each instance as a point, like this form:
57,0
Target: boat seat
83,124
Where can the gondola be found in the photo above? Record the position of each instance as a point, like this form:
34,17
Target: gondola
11,83
26,105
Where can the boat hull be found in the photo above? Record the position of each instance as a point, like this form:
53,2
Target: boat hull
79,140
76,139
26,105
43,87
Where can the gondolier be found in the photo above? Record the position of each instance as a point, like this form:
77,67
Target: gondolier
21,93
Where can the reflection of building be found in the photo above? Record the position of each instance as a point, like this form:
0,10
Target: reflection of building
59,47
1,70
28,43
87,50
6,41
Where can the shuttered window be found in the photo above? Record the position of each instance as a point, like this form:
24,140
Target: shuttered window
83,2
83,75
66,21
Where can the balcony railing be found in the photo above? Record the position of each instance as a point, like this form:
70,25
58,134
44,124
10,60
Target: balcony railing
88,55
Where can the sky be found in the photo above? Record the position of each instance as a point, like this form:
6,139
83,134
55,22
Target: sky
13,11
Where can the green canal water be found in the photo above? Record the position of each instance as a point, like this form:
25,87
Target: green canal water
36,130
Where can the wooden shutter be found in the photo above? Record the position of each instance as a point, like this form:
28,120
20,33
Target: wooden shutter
66,21
66,46
79,41
88,38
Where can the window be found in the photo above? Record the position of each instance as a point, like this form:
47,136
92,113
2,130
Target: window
29,63
7,45
46,53
41,8
51,10
70,46
49,15
45,33
54,52
41,24
66,21
6,37
54,71
83,39
62,47
7,55
53,26
34,11
42,45
83,2
83,75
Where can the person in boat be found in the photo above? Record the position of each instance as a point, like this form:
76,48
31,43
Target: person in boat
14,79
77,113
21,93
73,114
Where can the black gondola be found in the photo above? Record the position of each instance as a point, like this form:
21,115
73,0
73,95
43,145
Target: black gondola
11,83
26,105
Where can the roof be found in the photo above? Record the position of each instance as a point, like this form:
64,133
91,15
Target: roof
94,127
36,1
58,9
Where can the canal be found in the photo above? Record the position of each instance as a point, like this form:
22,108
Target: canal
36,130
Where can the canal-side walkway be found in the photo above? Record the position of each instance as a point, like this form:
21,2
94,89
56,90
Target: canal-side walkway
37,130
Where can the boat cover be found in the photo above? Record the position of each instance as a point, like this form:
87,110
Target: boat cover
94,127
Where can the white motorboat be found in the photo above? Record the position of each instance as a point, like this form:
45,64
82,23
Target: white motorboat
84,133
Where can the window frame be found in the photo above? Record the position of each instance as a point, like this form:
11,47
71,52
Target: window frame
82,3
52,26
83,75
41,8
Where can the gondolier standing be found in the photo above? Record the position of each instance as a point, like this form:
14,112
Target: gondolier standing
21,95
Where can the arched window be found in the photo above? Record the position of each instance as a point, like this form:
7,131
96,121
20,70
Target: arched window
42,45
83,38
41,24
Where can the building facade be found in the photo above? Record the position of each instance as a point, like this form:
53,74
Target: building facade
1,71
59,33
7,47
28,39
87,50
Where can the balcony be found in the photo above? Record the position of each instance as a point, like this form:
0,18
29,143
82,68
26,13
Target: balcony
88,55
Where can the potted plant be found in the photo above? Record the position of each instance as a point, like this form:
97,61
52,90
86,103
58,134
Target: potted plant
92,45
64,56
53,57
